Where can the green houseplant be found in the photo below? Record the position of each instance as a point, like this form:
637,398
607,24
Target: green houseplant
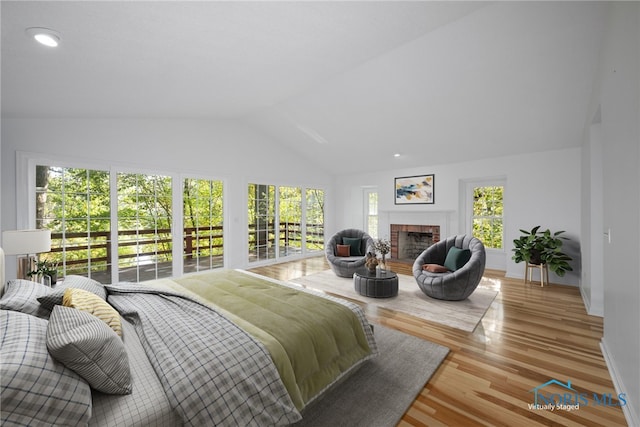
542,247
45,268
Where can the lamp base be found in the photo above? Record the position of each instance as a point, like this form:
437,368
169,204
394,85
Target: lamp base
25,265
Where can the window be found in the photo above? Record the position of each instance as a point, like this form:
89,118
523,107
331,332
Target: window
314,235
203,225
116,226
487,216
74,204
371,211
145,243
290,221
261,212
281,223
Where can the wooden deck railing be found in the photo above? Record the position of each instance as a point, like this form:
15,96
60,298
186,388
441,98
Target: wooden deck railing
195,240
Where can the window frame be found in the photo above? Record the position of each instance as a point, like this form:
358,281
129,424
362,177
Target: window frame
367,192
469,186
183,224
251,259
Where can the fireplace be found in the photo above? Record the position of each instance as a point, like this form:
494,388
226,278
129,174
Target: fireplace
408,241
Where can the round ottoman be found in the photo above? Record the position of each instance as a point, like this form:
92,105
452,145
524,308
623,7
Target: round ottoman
378,284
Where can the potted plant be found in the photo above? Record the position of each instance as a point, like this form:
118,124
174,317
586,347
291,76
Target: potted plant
45,269
542,247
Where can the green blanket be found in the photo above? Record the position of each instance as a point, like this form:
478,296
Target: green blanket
313,341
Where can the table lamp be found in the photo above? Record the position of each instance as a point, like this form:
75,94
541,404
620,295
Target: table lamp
24,243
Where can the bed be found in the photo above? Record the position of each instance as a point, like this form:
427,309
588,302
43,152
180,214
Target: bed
225,347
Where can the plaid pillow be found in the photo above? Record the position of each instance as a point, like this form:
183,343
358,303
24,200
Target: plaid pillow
78,282
81,282
22,295
36,389
89,347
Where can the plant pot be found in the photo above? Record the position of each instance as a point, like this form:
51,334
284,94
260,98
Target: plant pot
536,257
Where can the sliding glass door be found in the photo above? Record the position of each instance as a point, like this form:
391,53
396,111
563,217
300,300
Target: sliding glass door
145,243
282,223
119,226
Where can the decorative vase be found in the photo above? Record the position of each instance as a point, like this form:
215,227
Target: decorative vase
383,264
46,280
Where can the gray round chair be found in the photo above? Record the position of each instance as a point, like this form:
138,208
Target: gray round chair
451,285
346,266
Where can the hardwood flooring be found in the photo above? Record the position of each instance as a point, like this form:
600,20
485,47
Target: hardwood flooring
528,336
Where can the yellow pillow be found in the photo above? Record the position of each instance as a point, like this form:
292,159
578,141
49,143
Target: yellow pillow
93,304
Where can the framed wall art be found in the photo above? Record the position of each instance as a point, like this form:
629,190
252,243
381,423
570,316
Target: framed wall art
414,190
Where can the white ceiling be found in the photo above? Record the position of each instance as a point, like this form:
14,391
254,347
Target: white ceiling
345,84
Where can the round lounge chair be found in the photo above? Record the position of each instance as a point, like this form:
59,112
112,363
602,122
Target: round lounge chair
345,266
451,285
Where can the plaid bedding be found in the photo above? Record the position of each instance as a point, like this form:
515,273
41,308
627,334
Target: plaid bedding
213,372
147,406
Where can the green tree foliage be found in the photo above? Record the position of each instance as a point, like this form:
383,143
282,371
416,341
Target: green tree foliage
144,218
315,219
290,214
488,210
203,220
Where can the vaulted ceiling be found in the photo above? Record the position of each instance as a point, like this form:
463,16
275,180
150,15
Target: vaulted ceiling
345,84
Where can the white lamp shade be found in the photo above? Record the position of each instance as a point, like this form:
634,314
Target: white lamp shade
23,242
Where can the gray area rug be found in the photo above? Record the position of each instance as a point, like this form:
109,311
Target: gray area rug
464,315
381,391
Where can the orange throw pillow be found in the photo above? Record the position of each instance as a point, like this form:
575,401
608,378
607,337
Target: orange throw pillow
344,250
435,268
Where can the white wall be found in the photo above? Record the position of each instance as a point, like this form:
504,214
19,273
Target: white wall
217,149
542,189
619,98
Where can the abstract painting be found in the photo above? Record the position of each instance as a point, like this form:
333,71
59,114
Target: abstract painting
411,190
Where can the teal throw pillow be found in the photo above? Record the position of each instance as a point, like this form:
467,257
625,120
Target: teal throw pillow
456,258
355,243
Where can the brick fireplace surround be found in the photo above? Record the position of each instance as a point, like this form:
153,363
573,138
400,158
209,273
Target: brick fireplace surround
396,229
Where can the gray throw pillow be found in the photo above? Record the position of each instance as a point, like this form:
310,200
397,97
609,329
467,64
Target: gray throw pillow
89,347
35,388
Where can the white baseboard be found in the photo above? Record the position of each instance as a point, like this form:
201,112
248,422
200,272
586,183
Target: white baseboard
631,413
587,304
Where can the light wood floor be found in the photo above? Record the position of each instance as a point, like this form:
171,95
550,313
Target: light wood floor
528,336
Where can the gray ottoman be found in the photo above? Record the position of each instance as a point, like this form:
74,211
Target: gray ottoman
378,284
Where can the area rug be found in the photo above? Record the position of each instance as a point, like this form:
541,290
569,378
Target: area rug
464,315
381,391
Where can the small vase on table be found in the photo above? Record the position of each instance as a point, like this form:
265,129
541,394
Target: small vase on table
383,264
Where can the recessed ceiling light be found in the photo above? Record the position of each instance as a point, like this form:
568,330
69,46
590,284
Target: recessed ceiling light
44,36
396,155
